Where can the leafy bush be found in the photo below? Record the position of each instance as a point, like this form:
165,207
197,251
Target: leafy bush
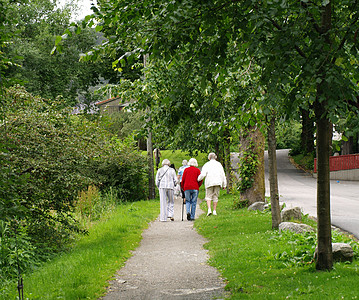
304,161
302,246
16,251
48,157
288,134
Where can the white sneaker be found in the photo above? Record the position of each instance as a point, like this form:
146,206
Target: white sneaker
209,212
214,213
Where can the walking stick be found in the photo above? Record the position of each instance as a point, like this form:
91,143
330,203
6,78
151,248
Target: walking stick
182,208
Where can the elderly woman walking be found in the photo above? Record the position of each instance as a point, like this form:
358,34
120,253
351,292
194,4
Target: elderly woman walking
215,180
166,181
190,185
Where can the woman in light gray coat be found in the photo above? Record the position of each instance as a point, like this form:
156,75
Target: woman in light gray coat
166,181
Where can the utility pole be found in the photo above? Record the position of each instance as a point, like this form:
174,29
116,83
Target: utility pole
151,173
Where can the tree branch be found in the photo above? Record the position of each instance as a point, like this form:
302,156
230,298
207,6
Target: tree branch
296,47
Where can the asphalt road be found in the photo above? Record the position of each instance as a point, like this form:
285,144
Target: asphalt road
297,188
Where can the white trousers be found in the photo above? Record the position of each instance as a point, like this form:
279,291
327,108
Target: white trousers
166,204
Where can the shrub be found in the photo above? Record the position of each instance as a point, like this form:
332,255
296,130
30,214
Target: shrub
17,253
51,156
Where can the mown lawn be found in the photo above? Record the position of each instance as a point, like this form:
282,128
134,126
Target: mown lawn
259,263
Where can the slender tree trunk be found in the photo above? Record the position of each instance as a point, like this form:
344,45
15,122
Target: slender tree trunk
325,256
307,135
348,146
227,160
273,179
151,172
324,135
253,142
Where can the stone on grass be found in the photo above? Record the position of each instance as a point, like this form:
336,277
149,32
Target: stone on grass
294,213
341,252
257,206
295,227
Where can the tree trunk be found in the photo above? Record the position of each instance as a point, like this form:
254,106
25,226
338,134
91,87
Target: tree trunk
348,146
307,135
227,160
325,257
324,136
151,172
253,142
273,180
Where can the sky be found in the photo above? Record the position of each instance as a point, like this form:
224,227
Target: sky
84,5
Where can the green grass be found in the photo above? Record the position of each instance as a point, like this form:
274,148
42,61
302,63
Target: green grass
83,272
176,157
259,263
306,162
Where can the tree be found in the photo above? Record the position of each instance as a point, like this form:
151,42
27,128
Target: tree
318,40
37,24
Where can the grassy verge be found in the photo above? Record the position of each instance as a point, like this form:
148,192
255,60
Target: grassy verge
176,157
259,263
305,162
83,272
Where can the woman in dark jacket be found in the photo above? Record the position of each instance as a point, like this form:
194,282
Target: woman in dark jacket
190,185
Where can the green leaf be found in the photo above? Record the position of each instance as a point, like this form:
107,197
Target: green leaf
58,40
98,28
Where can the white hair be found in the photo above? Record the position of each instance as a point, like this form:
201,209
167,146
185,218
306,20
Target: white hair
166,162
184,162
193,162
212,156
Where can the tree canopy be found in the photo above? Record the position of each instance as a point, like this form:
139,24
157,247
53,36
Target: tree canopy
282,55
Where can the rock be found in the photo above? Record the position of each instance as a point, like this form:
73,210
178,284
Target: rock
341,252
295,227
288,214
257,206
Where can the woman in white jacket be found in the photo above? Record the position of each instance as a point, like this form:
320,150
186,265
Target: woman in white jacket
166,181
215,180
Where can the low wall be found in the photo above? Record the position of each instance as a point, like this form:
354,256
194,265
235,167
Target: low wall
346,175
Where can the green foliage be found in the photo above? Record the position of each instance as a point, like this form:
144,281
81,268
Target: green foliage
258,262
177,156
48,157
248,163
91,204
16,251
288,134
83,272
125,124
304,161
33,30
303,246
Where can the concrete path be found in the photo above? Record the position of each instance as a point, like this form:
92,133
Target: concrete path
297,188
170,263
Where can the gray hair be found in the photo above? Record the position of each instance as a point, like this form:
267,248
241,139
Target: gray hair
212,156
166,162
184,162
193,162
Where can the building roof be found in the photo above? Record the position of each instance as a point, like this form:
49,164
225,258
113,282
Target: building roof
100,103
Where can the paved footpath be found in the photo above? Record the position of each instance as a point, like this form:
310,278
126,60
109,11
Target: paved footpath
170,263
